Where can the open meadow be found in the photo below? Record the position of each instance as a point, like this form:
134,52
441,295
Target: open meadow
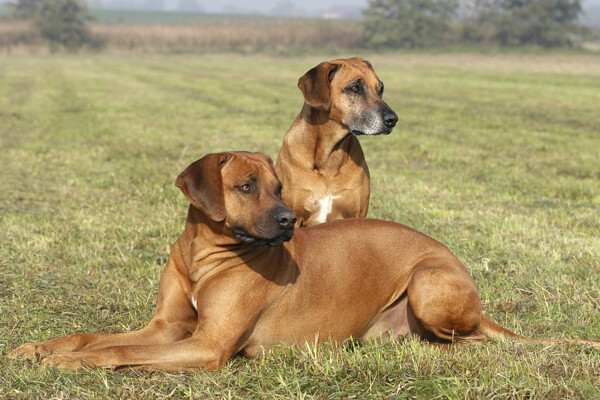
496,156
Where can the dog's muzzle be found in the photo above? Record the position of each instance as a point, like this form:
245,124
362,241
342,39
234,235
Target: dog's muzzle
281,229
374,122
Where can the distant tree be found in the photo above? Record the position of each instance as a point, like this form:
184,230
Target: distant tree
408,23
26,9
63,23
546,23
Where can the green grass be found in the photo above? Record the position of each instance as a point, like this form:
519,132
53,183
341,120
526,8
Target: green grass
496,156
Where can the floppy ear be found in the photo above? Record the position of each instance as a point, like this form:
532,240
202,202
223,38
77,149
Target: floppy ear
202,184
315,86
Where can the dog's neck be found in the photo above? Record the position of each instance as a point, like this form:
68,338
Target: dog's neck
329,140
212,247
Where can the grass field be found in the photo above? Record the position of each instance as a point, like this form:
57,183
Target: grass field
496,156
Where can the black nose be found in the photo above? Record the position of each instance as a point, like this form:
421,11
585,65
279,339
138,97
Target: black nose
285,218
390,119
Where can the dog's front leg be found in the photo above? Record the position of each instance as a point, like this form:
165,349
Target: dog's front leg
174,319
188,354
158,331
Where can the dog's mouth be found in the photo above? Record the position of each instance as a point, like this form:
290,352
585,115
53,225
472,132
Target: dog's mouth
360,133
249,240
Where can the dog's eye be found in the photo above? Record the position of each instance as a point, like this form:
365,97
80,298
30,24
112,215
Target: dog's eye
355,87
245,188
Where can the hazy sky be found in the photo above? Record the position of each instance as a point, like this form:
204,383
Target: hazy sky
265,6
310,6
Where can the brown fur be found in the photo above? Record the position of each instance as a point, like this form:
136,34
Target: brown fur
321,164
359,278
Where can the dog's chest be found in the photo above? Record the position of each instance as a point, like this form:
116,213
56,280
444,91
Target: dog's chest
323,207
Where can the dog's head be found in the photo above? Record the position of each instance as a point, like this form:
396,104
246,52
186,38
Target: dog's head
242,190
350,91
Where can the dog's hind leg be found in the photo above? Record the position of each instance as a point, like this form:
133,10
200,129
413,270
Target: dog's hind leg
444,305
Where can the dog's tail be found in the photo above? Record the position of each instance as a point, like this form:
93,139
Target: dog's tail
492,330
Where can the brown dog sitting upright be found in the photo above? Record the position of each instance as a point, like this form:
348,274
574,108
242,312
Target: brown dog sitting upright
230,286
321,164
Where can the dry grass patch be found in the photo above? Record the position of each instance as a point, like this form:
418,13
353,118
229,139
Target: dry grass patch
567,64
242,35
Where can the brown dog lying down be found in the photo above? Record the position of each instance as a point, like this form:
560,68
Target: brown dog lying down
232,285
321,164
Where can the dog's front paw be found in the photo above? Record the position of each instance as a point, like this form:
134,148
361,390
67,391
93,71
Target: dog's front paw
30,351
70,361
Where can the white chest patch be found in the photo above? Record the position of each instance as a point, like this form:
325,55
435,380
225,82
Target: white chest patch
324,207
194,303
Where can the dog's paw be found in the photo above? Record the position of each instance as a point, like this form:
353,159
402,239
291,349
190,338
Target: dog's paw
76,360
70,361
30,351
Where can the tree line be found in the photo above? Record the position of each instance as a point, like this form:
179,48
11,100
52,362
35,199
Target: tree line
424,23
387,24
63,23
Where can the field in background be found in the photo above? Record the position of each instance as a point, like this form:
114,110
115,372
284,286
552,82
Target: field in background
143,31
239,35
125,31
242,35
495,156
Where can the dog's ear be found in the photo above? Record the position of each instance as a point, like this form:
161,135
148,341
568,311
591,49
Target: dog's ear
315,85
202,184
